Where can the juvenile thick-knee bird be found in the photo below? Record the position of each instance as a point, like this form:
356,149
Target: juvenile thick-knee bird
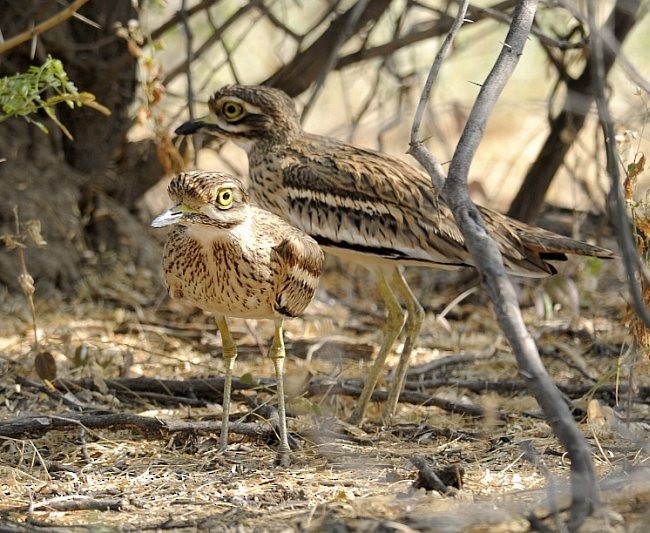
232,258
367,207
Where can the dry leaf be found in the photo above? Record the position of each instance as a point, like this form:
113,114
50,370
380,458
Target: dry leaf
34,232
45,366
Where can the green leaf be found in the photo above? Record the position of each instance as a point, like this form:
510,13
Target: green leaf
24,94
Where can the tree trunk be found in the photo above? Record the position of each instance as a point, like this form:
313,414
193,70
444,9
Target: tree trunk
60,181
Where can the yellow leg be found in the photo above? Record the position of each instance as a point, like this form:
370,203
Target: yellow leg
229,355
394,324
277,354
412,326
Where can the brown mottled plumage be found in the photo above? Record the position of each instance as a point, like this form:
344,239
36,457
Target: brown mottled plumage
367,206
234,259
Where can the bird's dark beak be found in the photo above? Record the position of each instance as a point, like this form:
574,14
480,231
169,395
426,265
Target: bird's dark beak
194,126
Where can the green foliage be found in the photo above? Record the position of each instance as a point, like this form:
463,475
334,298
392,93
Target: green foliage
24,94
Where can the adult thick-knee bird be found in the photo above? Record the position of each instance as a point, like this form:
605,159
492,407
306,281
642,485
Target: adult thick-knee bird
367,207
232,258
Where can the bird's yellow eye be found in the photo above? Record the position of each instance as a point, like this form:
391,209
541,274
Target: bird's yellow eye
232,110
224,198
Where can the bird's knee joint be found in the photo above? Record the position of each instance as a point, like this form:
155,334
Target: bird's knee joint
276,352
397,317
417,314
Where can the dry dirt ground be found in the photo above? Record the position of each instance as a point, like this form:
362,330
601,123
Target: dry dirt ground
102,448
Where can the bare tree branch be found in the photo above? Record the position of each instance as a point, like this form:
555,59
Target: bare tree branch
631,260
568,123
434,28
344,33
296,77
210,41
490,266
43,26
178,16
416,148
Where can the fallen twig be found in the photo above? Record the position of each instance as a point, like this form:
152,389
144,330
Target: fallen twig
74,502
211,388
205,388
411,397
604,391
34,426
451,360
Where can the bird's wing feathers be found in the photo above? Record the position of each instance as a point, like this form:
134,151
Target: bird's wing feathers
351,198
353,188
299,262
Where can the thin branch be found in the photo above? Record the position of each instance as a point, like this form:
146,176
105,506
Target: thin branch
42,27
189,38
422,32
631,259
174,20
344,33
632,72
210,41
416,147
270,16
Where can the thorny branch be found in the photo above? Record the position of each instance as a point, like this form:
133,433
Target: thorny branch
44,26
490,264
416,147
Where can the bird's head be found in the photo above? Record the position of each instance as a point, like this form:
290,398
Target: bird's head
246,114
204,198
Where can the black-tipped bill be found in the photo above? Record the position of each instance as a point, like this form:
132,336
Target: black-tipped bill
190,127
169,217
